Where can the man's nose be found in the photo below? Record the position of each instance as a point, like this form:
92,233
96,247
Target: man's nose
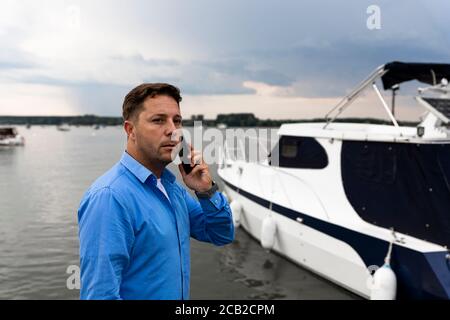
170,127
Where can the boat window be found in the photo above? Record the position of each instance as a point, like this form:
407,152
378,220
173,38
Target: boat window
377,162
403,186
7,132
299,152
289,148
441,105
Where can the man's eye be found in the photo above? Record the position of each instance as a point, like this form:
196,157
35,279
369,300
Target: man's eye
177,122
157,120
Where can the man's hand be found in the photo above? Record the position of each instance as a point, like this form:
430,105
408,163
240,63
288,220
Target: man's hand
199,179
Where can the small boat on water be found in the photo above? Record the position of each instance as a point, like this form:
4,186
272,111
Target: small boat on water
63,127
366,206
10,137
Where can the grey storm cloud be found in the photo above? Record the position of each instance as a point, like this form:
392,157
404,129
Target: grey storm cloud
104,99
314,48
15,64
139,59
321,47
14,58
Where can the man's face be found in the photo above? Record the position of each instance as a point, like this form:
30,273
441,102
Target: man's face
154,126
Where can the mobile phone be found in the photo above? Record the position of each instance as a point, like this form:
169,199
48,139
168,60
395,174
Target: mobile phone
185,161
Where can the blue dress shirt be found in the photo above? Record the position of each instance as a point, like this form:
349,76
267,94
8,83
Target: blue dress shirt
134,242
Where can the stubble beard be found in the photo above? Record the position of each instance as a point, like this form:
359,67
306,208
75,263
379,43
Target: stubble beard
154,156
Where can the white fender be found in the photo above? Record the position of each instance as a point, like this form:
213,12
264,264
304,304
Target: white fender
236,209
384,284
268,231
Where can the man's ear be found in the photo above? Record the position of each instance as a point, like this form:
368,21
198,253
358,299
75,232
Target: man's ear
129,129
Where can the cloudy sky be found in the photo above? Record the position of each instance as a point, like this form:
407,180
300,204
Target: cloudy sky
276,58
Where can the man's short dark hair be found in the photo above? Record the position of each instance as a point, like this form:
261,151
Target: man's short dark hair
133,101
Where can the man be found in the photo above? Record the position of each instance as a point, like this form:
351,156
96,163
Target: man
136,220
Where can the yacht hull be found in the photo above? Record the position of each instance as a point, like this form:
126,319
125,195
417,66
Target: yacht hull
344,256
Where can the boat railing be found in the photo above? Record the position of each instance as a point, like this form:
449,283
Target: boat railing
277,173
260,147
348,99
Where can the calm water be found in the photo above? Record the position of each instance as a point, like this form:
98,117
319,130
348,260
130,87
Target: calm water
41,185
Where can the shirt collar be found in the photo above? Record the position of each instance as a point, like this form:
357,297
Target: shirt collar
141,172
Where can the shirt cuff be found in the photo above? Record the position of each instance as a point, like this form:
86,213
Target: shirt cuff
216,202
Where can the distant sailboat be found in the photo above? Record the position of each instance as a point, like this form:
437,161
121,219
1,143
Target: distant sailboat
63,127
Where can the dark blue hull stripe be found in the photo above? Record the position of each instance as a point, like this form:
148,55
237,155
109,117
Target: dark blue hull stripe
419,275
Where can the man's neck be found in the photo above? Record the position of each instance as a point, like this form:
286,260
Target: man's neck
155,167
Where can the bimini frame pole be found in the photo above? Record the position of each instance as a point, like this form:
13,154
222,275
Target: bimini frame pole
348,99
385,105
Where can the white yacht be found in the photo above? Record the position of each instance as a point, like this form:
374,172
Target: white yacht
365,206
10,137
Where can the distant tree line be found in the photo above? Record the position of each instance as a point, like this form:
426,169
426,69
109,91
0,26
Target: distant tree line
85,120
230,120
